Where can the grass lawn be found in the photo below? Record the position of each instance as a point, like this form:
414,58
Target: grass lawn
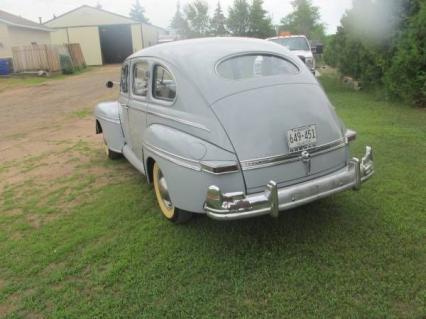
24,80
80,248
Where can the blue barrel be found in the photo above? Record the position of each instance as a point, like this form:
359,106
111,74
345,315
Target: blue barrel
4,67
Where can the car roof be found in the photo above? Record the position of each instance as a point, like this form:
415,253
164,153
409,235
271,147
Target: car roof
288,36
197,59
215,47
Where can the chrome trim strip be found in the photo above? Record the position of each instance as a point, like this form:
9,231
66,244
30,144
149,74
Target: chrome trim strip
115,121
176,159
182,161
292,157
209,169
179,120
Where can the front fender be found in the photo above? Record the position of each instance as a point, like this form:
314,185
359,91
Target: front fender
108,122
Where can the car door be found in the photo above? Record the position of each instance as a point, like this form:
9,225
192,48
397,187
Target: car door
123,100
137,106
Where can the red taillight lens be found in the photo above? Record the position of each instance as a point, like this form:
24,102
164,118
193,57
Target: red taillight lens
350,135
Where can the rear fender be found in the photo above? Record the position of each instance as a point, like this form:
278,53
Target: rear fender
181,157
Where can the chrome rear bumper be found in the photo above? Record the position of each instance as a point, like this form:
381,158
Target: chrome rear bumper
232,206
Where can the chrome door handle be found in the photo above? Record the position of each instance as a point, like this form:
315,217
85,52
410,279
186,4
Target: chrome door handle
124,106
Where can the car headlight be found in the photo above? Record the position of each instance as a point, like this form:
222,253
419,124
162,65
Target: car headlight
309,62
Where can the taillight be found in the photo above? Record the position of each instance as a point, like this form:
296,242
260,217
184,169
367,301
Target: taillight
350,135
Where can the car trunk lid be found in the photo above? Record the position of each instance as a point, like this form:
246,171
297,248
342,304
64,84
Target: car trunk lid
257,123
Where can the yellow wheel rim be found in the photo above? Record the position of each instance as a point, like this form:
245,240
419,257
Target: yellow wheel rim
162,193
106,149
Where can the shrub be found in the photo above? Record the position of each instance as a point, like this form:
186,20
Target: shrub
382,43
66,64
406,77
330,55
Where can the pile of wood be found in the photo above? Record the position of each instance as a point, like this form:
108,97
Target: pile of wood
43,57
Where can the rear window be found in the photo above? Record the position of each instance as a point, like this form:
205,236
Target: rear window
255,65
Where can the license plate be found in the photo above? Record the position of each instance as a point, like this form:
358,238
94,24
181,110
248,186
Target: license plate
301,138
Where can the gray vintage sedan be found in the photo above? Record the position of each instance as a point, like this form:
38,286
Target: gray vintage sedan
229,127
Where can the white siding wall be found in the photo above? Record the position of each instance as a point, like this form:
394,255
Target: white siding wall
87,16
90,44
21,36
59,36
136,37
150,35
5,47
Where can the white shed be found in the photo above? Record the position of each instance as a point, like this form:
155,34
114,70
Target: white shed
104,37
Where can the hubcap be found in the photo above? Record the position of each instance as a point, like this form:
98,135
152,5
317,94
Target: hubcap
164,191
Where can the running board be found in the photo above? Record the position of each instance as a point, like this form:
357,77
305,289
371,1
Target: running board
131,157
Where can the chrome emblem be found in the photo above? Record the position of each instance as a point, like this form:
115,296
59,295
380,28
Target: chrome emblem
306,159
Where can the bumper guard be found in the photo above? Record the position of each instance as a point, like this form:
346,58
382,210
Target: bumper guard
231,206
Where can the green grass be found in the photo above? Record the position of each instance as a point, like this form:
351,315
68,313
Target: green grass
83,113
25,80
357,254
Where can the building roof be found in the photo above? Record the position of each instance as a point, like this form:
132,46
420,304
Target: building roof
85,15
16,21
197,59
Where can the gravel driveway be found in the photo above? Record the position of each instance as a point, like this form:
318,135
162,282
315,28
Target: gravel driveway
32,117
47,131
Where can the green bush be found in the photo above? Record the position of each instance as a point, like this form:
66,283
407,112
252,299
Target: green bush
406,77
330,54
383,54
66,64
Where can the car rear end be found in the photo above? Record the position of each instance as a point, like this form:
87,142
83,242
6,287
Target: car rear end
290,144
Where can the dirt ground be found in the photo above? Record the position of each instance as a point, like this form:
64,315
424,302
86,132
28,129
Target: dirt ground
50,157
39,122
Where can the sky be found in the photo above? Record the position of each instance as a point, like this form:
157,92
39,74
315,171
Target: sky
160,12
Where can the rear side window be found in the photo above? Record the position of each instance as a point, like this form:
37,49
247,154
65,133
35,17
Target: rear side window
124,83
164,85
140,78
255,65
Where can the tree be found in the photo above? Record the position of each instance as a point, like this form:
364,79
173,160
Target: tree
260,25
238,21
305,19
137,12
406,77
217,23
382,43
197,17
179,24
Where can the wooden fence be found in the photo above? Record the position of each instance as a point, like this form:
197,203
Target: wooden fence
76,54
45,57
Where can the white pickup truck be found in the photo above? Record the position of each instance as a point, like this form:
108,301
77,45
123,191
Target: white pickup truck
300,46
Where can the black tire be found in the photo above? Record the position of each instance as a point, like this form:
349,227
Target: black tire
181,217
114,155
168,210
111,154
